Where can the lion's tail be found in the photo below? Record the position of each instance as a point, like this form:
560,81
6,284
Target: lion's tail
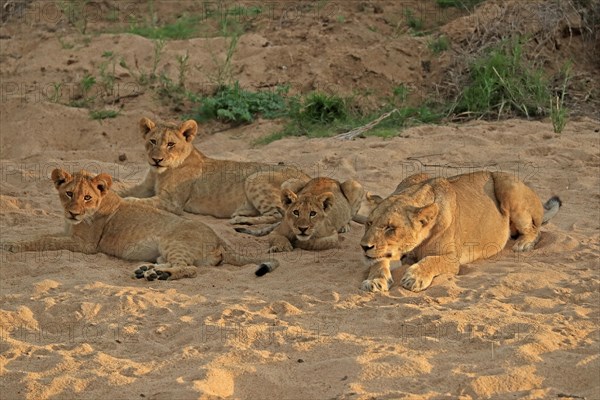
361,219
260,231
265,265
551,208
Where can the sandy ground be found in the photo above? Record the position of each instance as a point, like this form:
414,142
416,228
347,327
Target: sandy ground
76,326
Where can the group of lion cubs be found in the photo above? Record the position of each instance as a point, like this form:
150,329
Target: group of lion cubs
440,222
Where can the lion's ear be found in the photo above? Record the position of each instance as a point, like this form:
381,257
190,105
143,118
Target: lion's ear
326,200
373,198
188,130
60,177
102,182
146,125
288,197
293,184
425,215
353,191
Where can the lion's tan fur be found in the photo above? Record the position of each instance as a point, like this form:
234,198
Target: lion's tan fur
315,213
98,220
181,178
446,223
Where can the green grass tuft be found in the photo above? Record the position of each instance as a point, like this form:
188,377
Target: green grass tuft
413,22
184,28
103,114
465,4
321,108
558,112
439,45
242,11
503,82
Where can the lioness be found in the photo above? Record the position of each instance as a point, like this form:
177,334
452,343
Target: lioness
448,222
181,178
98,220
315,213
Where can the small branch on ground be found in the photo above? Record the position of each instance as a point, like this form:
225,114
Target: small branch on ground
362,129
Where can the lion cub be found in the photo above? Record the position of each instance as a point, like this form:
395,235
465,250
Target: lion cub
181,178
315,213
449,222
98,220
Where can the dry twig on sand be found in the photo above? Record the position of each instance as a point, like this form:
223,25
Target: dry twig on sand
362,129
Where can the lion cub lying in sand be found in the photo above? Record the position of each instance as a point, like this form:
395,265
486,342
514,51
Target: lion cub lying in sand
315,213
448,222
98,220
181,178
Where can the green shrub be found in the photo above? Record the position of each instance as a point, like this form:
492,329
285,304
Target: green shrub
231,103
315,114
307,117
322,108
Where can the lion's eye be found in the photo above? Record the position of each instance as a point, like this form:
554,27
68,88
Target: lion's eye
390,229
313,213
296,213
153,142
87,197
170,145
69,194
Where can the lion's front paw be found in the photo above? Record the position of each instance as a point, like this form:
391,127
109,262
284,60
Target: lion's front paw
415,279
345,229
523,245
150,273
237,220
280,247
377,285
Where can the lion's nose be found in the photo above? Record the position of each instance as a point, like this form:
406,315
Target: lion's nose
157,160
366,247
303,229
73,214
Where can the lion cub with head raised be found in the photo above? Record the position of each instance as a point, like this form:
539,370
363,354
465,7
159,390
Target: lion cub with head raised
98,220
315,212
446,222
181,178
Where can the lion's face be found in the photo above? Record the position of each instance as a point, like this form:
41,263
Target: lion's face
395,227
305,214
168,145
81,193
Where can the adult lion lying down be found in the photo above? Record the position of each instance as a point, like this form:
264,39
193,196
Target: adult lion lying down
98,220
448,222
181,178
